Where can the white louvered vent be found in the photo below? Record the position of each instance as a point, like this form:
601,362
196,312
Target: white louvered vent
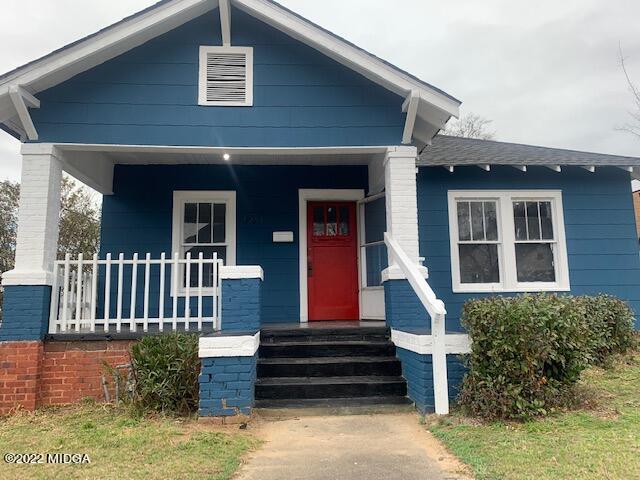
226,76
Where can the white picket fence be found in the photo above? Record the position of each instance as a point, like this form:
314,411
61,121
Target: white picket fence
89,295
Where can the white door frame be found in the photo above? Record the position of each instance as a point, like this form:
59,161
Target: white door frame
318,195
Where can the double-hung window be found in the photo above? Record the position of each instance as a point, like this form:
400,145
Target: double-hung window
204,222
507,241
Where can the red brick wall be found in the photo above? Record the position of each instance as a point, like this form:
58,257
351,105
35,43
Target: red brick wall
52,373
20,374
72,371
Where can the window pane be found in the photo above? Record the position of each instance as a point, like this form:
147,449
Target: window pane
519,220
318,221
534,262
464,227
377,261
219,223
204,223
477,227
375,219
190,222
533,220
332,222
546,220
479,264
344,221
491,221
207,269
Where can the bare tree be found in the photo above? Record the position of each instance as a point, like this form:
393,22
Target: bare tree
632,127
470,125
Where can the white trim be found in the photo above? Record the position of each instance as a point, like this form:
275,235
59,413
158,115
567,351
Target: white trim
15,277
228,197
21,100
410,106
435,107
202,76
225,21
506,243
113,41
394,272
455,344
238,272
317,195
222,346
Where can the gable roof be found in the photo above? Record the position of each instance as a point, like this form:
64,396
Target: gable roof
429,107
456,151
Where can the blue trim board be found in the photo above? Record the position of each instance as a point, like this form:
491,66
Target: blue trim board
149,96
602,241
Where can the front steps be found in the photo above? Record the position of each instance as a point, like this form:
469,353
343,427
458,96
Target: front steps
347,369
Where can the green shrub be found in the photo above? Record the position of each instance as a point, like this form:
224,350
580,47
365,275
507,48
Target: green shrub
610,325
528,351
165,370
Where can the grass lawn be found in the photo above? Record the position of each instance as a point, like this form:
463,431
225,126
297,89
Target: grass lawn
120,446
601,441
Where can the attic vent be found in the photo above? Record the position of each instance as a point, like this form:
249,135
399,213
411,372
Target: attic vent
226,76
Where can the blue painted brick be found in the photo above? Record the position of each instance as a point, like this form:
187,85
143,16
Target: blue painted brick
25,313
224,393
402,306
417,370
241,303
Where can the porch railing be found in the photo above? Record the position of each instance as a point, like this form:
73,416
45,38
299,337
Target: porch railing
135,294
436,310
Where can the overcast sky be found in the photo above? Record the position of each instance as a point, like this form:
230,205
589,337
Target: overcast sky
546,72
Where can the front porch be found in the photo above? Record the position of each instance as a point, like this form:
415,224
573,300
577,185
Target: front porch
222,240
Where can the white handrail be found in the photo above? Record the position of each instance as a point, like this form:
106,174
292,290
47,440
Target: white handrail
79,305
437,312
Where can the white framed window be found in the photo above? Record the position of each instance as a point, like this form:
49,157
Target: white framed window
507,241
204,222
226,76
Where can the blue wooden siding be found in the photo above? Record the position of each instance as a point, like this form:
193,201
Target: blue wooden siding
602,242
149,96
138,218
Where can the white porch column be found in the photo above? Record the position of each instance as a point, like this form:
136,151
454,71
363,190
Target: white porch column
38,217
402,200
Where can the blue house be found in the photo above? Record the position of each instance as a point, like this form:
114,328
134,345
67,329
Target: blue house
286,194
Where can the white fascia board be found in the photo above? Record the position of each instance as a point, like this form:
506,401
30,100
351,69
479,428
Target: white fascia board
455,344
103,46
358,60
236,272
229,346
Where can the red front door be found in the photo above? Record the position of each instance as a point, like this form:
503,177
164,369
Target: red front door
332,261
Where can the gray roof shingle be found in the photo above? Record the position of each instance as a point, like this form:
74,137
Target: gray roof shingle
456,151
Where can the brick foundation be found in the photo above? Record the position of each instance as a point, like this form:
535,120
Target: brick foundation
33,374
72,371
20,374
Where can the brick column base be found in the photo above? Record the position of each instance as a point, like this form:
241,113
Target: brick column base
20,375
227,386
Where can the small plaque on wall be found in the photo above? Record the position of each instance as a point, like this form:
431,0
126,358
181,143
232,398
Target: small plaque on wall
282,237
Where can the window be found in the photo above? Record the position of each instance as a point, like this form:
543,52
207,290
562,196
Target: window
507,241
331,221
204,222
226,76
373,252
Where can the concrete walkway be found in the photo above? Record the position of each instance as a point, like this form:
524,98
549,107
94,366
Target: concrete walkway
368,447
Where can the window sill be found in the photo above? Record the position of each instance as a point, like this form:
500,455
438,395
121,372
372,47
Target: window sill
519,289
